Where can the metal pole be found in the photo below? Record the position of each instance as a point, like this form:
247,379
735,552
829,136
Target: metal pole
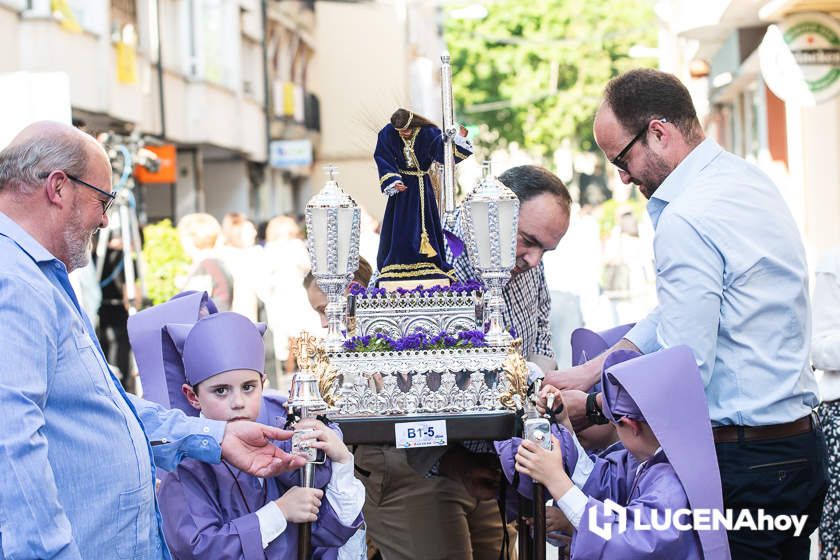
267,103
523,537
128,262
305,529
449,131
159,69
539,521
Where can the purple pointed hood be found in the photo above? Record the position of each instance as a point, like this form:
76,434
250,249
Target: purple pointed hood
144,333
586,344
617,401
665,389
222,342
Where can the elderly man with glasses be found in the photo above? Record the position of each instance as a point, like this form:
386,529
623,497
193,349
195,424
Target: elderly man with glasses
732,283
78,468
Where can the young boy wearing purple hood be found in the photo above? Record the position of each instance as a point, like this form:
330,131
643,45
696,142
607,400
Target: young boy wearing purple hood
668,464
212,364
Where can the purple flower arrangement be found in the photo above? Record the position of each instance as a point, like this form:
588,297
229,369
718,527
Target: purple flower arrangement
458,288
418,340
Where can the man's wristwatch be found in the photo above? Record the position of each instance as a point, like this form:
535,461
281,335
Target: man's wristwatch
593,411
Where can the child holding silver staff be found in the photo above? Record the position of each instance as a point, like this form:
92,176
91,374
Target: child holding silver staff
212,364
667,465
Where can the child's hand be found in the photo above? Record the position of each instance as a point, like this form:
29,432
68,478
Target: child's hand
300,505
542,465
562,417
324,438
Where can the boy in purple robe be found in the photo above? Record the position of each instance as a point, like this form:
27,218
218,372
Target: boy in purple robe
669,463
214,366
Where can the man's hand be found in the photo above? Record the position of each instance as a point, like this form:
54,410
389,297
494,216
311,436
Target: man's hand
556,523
575,402
584,376
581,377
246,446
400,187
478,472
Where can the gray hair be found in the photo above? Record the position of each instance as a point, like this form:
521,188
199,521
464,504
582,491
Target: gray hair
22,164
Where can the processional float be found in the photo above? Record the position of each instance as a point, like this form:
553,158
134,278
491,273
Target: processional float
422,367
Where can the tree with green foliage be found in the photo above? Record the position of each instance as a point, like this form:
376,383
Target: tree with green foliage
165,260
533,72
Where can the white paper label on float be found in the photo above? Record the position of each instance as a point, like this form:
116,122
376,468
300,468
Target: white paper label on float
420,434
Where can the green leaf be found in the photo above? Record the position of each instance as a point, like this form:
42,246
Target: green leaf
533,72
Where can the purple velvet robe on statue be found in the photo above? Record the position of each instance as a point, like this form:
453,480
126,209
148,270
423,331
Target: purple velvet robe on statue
400,238
204,515
614,477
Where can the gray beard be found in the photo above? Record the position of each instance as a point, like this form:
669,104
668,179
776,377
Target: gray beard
78,248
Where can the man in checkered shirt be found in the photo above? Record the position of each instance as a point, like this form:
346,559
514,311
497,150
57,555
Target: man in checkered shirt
465,492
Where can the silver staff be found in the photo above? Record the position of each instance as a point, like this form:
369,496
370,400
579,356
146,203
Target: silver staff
450,129
306,402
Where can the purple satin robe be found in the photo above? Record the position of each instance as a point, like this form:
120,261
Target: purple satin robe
656,487
205,515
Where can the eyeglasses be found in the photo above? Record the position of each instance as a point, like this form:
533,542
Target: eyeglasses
106,204
618,160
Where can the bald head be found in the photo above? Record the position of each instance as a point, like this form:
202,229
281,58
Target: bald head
43,147
48,178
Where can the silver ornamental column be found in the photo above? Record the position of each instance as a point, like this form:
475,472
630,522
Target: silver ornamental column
332,227
305,401
491,212
450,129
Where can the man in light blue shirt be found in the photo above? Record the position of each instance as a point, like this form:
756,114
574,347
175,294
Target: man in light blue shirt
77,467
731,284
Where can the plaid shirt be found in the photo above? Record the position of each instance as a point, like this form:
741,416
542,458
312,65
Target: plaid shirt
527,301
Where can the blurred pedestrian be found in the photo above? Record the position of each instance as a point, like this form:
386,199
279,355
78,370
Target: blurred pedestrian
242,257
208,272
629,278
280,288
825,355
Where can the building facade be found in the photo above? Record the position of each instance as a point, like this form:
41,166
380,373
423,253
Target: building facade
199,74
256,95
716,48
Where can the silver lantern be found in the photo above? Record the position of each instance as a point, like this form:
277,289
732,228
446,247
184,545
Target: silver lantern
332,224
491,212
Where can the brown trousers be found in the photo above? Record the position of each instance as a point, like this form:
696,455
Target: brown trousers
411,517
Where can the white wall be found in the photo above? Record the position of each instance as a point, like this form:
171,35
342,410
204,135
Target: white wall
819,146
226,187
361,73
9,40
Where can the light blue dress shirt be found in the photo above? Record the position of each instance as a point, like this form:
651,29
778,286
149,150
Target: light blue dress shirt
77,469
732,284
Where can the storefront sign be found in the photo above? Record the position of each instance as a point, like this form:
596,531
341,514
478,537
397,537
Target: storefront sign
800,58
286,154
166,171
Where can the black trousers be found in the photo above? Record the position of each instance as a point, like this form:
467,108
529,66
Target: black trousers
780,476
